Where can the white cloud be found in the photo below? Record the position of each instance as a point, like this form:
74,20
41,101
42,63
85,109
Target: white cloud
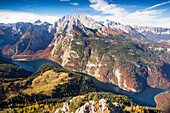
157,5
140,17
74,3
14,16
64,0
131,6
105,8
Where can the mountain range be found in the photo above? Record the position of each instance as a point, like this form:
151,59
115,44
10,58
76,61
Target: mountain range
124,55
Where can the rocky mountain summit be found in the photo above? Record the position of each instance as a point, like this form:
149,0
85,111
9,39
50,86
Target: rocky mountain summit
125,28
103,105
154,33
69,20
109,51
28,38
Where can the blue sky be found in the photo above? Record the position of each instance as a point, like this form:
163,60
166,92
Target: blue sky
133,12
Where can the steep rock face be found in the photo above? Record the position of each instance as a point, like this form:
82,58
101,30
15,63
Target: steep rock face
155,30
20,27
125,28
159,76
160,50
106,51
10,34
7,36
82,24
154,33
108,63
35,38
68,20
103,105
123,63
162,101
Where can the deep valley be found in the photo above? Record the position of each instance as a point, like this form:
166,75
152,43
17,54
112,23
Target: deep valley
43,66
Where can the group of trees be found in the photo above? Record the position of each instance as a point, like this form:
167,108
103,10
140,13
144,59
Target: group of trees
22,100
77,86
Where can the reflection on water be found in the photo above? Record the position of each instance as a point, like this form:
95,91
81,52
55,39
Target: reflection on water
144,98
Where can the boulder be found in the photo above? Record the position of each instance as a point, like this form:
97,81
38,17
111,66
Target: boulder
65,108
101,106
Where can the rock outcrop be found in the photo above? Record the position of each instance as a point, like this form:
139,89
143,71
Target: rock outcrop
155,34
125,28
107,50
101,106
33,38
64,109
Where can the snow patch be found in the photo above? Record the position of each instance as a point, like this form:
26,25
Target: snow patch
154,30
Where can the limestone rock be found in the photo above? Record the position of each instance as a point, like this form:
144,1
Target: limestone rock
65,108
103,105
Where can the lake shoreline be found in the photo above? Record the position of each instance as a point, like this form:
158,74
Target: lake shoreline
144,98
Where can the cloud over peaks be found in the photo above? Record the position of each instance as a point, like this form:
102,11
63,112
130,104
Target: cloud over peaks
8,16
146,17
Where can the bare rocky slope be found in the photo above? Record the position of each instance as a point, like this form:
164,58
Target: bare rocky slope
111,53
156,34
103,105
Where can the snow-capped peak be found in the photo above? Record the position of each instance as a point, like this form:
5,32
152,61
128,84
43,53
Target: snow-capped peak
154,30
80,20
85,20
116,25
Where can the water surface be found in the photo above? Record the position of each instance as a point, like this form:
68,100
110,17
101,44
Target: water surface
34,65
145,97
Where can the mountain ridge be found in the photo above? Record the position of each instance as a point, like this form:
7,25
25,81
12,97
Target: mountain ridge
80,43
143,32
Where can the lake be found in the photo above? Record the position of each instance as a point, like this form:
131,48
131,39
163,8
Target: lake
145,97
34,65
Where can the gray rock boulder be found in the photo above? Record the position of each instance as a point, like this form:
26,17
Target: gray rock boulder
65,108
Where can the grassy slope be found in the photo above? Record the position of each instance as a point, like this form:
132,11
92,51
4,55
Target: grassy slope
66,83
46,82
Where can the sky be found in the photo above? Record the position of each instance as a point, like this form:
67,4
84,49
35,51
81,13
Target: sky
128,12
